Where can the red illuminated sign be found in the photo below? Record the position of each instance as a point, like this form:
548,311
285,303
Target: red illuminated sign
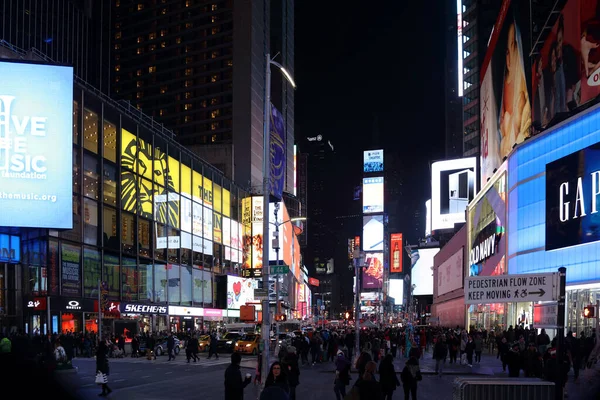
396,252
37,304
313,281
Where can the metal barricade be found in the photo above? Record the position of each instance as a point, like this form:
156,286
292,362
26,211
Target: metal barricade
470,388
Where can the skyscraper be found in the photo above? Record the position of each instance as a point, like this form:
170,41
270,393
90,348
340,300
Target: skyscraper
452,97
198,67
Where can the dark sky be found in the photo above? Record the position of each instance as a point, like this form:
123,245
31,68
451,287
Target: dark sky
357,62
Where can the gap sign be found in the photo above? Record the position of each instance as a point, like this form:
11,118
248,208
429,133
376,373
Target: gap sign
511,288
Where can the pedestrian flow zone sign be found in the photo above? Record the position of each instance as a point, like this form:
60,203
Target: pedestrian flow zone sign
511,288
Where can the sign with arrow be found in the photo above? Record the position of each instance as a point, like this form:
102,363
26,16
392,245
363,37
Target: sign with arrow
511,288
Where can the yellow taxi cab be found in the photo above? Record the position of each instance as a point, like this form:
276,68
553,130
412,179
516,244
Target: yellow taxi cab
203,343
248,344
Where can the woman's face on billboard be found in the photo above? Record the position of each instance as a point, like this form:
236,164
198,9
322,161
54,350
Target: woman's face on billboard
511,47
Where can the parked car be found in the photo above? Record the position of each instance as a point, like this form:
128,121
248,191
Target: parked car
227,342
248,344
203,343
161,346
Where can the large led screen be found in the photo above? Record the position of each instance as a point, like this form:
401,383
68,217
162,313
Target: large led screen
452,188
422,271
396,291
36,145
240,291
450,274
572,188
372,233
396,251
372,195
504,99
373,161
372,277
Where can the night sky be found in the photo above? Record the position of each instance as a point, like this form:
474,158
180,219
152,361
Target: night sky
360,65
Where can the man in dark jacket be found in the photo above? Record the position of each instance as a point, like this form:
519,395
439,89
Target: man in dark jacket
234,384
440,351
212,347
290,364
171,346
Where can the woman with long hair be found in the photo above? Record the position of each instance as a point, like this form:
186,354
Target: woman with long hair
277,378
367,385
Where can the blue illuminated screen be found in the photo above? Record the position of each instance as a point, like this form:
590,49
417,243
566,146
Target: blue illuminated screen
36,139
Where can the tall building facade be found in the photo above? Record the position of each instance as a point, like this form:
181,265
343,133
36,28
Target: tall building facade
452,97
198,67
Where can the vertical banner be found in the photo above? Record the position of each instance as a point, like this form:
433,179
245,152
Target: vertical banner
396,252
277,151
104,296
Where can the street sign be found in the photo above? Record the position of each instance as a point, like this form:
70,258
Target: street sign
279,269
511,288
252,273
261,294
545,315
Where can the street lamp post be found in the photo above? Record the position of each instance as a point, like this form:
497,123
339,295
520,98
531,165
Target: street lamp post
359,259
266,325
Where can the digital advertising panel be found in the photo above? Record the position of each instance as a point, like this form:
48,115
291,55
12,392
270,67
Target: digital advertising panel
36,145
373,161
505,108
240,291
422,271
372,276
486,239
451,273
566,72
396,291
396,252
572,189
452,188
372,239
278,153
373,195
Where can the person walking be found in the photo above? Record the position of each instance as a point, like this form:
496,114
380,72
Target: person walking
191,349
102,366
367,385
410,376
171,346
150,347
478,341
469,349
440,352
212,347
234,383
277,378
342,375
290,364
387,377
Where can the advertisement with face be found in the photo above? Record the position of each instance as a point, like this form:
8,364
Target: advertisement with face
486,224
36,141
505,107
373,161
372,277
452,188
372,195
240,291
566,72
372,233
422,271
572,187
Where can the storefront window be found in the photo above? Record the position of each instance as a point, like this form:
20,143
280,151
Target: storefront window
128,233
160,283
110,184
91,169
75,233
111,275
90,222
71,270
144,237
92,270
146,282
110,141
76,176
186,285
174,283
110,235
130,279
76,124
90,131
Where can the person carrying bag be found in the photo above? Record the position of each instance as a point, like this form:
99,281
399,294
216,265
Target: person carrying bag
102,368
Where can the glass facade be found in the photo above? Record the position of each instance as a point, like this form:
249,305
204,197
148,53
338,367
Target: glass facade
148,218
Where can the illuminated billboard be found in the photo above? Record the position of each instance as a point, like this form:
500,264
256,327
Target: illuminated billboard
252,240
396,252
373,161
36,145
504,99
422,271
450,273
372,239
240,291
452,188
372,274
372,195
396,291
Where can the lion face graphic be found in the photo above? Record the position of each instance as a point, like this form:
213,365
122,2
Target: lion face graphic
138,191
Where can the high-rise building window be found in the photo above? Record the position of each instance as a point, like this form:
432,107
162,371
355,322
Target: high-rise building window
161,112
213,127
187,106
139,95
163,89
213,19
117,67
213,138
189,83
118,35
117,78
189,25
138,72
152,69
188,3
213,7
203,104
139,84
178,40
139,50
163,44
163,11
152,36
230,63
163,32
187,118
140,7
214,78
189,60
118,46
214,114
140,39
152,47
189,71
188,48
214,30
214,101
215,54
188,95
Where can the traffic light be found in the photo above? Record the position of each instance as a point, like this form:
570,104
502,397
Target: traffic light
280,317
588,312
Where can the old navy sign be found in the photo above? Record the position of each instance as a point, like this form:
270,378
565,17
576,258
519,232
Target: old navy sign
511,288
484,250
134,308
572,203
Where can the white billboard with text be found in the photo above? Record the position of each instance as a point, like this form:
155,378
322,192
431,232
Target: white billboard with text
450,273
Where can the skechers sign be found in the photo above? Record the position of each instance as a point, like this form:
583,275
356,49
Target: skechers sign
572,199
132,308
36,139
